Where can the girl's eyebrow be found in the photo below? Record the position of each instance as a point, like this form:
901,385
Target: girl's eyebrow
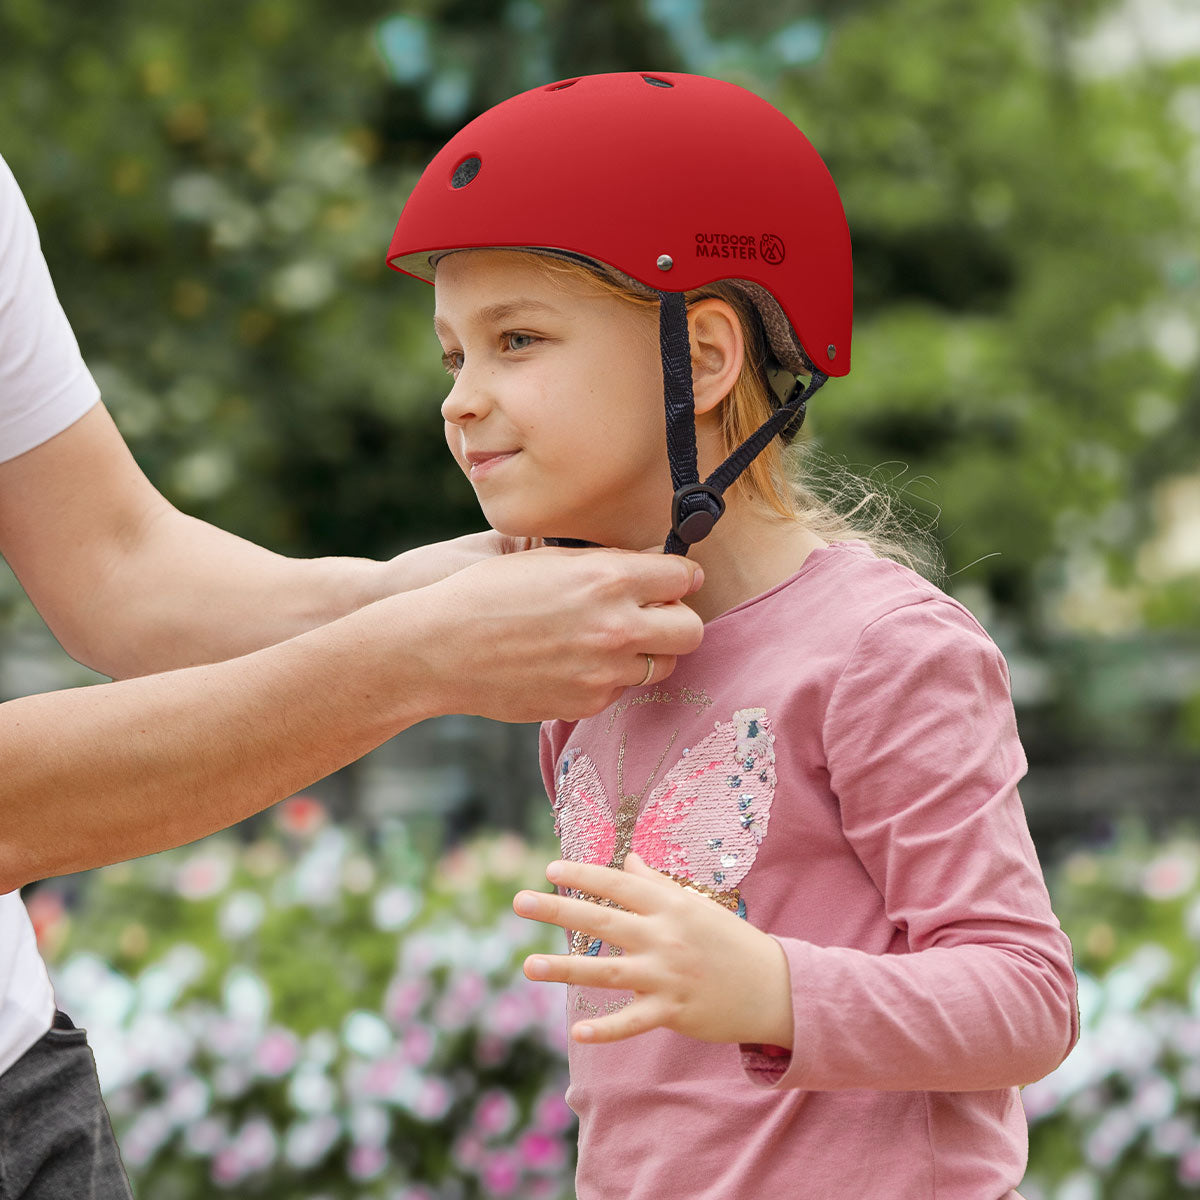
505,310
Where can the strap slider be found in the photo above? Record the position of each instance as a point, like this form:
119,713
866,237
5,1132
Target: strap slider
695,509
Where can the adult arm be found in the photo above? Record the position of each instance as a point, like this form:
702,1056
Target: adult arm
98,774
129,584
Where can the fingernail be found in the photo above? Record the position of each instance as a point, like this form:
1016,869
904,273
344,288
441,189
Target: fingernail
525,903
697,581
535,968
554,872
584,1033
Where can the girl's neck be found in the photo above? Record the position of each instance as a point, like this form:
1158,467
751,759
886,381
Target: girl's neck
748,552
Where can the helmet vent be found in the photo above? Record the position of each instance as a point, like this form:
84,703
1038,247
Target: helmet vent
558,87
654,81
465,172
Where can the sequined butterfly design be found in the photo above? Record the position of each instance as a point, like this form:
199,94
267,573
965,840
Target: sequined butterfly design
701,826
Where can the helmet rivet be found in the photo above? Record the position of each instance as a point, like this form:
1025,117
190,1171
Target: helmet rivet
665,262
831,350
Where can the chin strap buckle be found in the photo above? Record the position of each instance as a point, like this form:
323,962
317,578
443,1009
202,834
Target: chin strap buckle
695,509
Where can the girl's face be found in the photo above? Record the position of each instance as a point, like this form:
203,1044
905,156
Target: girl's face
556,411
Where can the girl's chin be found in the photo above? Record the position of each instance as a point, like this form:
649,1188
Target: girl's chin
525,525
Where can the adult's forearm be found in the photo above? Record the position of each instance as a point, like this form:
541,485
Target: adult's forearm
130,585
103,773
188,593
123,769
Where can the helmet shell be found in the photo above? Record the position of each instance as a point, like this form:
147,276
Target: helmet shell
677,181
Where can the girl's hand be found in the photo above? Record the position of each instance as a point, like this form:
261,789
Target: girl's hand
692,965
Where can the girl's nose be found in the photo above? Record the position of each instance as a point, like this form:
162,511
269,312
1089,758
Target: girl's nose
465,401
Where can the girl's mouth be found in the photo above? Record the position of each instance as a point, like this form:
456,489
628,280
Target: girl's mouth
481,462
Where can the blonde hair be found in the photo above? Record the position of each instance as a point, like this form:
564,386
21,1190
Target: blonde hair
791,482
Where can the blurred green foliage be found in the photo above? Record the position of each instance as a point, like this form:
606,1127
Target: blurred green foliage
216,185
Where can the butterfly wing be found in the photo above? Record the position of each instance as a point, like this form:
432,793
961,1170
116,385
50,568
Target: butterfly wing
705,820
583,817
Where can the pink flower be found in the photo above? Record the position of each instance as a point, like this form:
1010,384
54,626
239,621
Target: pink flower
277,1053
433,1100
381,1077
417,1045
228,1167
49,916
552,1114
366,1162
302,815
203,875
469,1152
501,1173
490,1050
495,1113
403,1000
1168,876
541,1152
511,1013
1189,1166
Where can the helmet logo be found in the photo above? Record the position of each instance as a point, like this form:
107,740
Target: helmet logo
769,247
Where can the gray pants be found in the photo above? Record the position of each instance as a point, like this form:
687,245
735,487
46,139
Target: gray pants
56,1142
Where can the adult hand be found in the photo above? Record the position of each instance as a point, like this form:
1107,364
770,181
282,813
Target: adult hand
692,965
558,632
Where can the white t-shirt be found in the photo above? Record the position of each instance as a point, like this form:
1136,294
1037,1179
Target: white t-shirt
44,387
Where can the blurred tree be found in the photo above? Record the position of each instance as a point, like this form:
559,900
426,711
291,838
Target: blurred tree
215,197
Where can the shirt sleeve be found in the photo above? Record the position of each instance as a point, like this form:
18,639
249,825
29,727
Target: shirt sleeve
923,758
44,384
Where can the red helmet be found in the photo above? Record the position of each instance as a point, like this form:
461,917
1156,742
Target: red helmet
676,181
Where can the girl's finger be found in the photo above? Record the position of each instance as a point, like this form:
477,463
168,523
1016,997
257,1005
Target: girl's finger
638,1017
633,891
582,970
614,926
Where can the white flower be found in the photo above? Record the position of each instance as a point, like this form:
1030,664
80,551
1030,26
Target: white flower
205,1137
311,1090
241,915
307,1142
1079,1185
393,908
256,1144
369,1125
187,1099
1154,1100
145,1136
232,1079
366,1034
247,999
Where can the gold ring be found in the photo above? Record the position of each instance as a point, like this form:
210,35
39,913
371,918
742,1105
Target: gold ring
649,671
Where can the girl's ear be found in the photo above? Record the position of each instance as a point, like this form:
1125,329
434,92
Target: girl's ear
718,350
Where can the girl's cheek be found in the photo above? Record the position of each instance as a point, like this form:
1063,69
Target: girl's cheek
453,444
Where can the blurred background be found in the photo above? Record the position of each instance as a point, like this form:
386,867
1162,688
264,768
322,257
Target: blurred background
325,1002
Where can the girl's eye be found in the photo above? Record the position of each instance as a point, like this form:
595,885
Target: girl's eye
452,361
518,341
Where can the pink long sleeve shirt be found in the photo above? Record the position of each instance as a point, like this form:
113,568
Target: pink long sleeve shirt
838,762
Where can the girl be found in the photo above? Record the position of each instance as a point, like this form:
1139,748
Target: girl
800,872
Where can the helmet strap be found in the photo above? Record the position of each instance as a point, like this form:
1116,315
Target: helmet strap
696,507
